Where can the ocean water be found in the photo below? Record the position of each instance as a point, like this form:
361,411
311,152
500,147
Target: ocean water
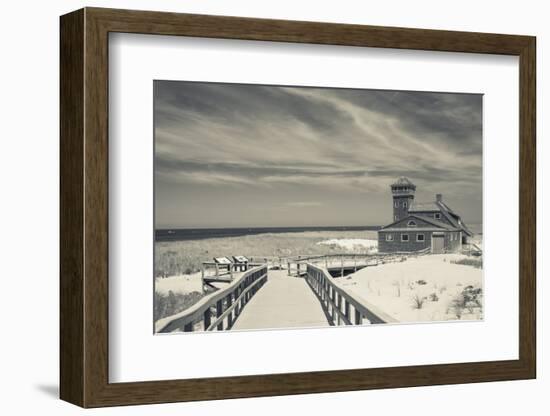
182,234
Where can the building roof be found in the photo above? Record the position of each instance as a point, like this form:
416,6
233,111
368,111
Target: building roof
423,206
446,207
446,211
440,225
453,218
403,181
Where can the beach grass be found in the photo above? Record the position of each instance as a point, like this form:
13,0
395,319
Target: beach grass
185,257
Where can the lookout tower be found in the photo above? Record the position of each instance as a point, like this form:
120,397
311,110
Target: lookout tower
403,194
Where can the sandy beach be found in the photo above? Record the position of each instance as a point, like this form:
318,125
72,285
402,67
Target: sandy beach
418,289
432,280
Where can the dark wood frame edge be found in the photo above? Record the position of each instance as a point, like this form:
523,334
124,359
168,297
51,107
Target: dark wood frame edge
84,207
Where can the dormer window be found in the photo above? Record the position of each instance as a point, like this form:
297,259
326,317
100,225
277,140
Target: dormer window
404,204
411,223
437,216
396,204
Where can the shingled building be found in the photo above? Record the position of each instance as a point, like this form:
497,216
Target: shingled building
417,226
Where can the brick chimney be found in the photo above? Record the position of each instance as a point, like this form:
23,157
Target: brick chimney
439,197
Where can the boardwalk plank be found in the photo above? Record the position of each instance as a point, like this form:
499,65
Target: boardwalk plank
283,302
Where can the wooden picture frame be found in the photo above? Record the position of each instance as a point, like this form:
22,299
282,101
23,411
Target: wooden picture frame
84,207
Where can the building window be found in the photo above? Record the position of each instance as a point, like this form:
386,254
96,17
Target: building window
411,223
404,237
419,237
389,237
395,204
437,216
404,204
395,217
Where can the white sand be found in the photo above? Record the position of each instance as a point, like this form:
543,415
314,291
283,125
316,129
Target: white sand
185,283
352,244
392,287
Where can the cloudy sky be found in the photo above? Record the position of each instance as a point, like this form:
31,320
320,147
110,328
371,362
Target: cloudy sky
234,155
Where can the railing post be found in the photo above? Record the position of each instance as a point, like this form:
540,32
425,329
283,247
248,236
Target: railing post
230,316
346,309
358,318
339,306
237,307
219,311
335,314
206,318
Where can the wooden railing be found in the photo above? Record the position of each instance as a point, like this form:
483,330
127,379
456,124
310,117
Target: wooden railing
348,260
219,310
471,248
341,307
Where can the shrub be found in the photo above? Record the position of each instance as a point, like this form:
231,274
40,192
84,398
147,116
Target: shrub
172,303
470,298
420,282
433,297
418,301
477,263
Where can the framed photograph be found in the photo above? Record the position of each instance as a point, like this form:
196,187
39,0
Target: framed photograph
255,207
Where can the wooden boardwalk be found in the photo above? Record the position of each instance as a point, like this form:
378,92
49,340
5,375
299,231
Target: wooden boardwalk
283,302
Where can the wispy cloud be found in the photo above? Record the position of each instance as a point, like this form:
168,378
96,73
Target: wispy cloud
281,139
